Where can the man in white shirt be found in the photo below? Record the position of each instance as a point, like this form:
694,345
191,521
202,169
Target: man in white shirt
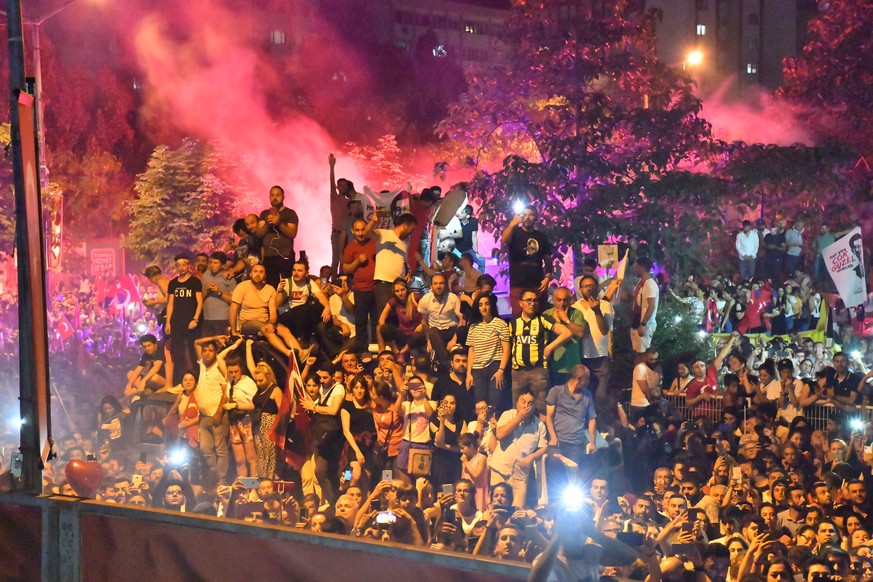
441,316
598,314
794,244
391,251
211,398
747,250
644,309
521,439
646,387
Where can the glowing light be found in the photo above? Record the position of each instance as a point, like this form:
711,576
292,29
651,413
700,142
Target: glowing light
694,58
856,424
856,355
573,498
143,328
178,456
518,206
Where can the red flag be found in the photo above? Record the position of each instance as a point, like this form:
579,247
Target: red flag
64,328
100,289
128,283
290,430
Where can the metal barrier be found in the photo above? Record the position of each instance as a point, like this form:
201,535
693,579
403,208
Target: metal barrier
817,415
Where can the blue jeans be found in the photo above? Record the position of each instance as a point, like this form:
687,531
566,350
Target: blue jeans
747,268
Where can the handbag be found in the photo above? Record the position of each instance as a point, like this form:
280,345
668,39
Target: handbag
419,462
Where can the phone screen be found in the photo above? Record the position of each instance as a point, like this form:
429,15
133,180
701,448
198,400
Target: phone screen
448,489
387,475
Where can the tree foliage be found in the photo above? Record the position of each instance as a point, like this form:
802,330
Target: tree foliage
832,77
597,128
185,201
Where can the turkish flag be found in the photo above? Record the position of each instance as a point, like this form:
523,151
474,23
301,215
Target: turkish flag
290,430
64,328
129,284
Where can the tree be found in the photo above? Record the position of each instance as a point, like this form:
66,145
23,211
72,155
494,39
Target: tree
598,130
185,201
832,76
382,163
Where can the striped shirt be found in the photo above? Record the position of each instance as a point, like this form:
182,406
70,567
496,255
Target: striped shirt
528,339
485,339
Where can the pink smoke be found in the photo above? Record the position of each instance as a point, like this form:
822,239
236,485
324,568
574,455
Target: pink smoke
201,78
754,117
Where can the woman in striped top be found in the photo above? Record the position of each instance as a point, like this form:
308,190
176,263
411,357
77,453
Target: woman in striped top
488,343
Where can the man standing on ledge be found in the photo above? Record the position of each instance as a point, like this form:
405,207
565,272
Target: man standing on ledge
277,232
530,259
644,309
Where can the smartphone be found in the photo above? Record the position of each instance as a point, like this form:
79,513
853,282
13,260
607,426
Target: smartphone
347,474
249,482
448,489
490,412
737,473
631,538
450,516
684,549
136,481
304,512
387,475
688,527
386,518
143,458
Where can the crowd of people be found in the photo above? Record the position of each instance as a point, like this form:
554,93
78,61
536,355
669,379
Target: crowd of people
388,398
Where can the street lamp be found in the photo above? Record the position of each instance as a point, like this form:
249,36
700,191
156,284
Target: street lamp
693,59
54,218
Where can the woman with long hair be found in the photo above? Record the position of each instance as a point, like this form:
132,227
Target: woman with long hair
446,457
400,321
109,416
389,425
359,429
488,345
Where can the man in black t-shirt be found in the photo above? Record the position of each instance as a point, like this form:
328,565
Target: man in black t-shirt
453,382
184,306
845,382
530,259
148,375
277,230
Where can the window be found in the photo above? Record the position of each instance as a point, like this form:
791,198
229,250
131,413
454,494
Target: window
751,68
470,28
277,37
440,51
701,30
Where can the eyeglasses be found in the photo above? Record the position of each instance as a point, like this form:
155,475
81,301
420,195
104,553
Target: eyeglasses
528,300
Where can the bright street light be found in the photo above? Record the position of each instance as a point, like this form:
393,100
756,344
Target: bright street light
694,58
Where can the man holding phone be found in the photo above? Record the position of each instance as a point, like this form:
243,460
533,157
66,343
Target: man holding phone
530,259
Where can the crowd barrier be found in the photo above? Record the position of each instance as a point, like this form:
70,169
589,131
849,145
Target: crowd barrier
817,414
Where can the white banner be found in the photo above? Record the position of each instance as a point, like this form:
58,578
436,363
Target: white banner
845,262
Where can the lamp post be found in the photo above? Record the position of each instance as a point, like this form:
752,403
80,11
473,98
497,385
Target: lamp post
54,217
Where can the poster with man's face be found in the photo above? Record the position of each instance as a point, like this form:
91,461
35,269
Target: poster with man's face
845,262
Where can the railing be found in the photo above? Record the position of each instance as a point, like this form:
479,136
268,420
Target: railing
817,414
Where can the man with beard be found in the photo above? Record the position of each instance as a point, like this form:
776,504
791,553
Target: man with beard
646,388
253,312
359,261
184,306
598,315
530,259
391,250
277,231
441,315
453,383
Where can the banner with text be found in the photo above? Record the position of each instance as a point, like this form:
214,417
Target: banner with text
844,260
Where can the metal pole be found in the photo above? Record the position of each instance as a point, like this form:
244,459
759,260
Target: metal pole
33,336
40,129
